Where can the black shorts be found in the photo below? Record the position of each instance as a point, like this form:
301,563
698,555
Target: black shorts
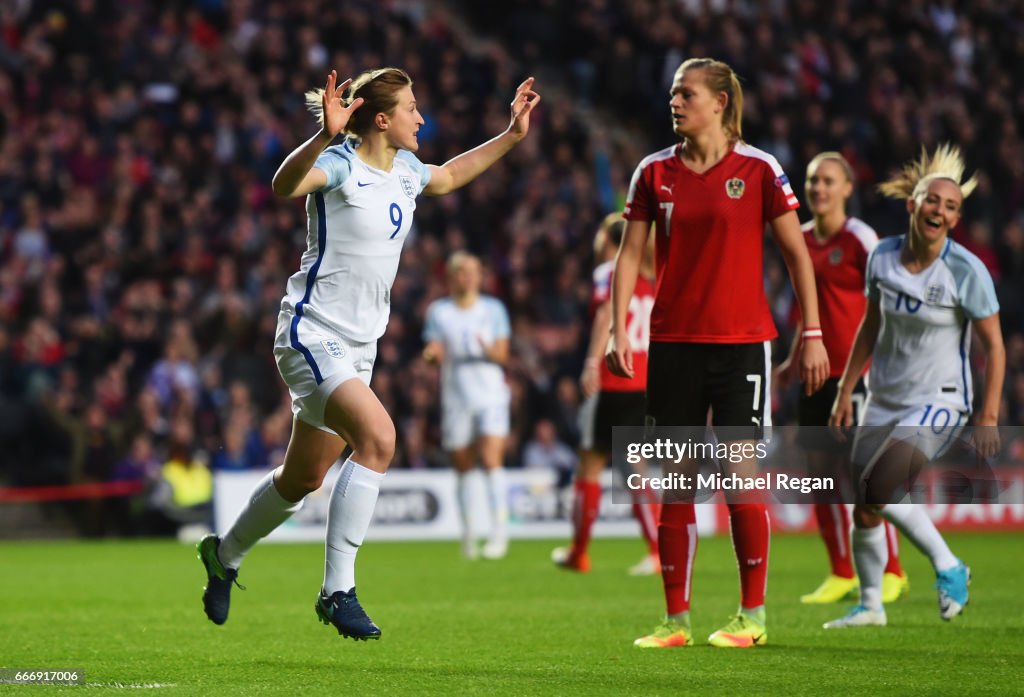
615,409
813,413
685,379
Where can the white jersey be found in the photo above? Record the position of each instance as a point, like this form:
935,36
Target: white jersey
357,226
468,379
921,354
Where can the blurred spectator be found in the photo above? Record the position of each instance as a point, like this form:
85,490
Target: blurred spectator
545,452
184,494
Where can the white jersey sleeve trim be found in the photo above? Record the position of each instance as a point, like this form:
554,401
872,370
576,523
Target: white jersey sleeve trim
336,163
781,180
748,150
976,291
864,233
885,246
665,154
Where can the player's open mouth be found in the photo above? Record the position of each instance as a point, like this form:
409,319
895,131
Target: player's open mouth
933,223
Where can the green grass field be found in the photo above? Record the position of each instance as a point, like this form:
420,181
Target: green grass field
129,614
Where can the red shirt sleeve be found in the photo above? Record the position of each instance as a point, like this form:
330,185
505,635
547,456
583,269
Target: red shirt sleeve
638,206
777,192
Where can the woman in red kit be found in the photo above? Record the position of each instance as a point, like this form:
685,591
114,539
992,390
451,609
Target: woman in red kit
612,401
839,245
710,198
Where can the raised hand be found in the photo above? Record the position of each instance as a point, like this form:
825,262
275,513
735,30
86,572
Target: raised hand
337,115
523,103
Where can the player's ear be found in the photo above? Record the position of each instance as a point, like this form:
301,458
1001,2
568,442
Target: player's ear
381,121
910,206
723,102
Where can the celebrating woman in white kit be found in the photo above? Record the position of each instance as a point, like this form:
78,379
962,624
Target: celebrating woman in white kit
925,294
361,195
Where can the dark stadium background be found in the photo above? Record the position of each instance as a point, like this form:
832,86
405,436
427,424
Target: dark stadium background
143,255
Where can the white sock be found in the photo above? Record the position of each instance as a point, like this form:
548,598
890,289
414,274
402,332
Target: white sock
870,555
464,500
497,494
912,520
348,518
265,511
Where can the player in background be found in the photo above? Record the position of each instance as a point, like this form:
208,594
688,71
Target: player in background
612,401
839,245
468,335
925,294
360,199
710,198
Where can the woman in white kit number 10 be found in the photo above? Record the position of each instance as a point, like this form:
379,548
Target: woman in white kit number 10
925,294
361,195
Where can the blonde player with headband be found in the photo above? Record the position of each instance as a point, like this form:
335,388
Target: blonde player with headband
925,295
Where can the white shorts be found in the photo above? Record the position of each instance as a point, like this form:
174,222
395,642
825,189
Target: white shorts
461,426
931,428
313,364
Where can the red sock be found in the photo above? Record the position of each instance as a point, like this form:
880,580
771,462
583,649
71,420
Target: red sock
892,538
585,507
646,511
677,542
751,534
834,527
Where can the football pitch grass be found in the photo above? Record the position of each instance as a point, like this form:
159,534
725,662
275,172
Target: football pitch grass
129,614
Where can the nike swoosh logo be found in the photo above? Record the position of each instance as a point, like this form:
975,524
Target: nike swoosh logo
361,184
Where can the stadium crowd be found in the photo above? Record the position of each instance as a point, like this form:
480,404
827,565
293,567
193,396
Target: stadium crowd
143,255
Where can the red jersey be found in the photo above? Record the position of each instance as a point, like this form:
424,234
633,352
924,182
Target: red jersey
638,328
839,266
710,237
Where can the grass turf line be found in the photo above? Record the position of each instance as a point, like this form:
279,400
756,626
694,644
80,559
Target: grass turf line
129,613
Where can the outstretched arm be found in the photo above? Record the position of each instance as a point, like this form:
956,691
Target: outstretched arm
464,168
297,176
